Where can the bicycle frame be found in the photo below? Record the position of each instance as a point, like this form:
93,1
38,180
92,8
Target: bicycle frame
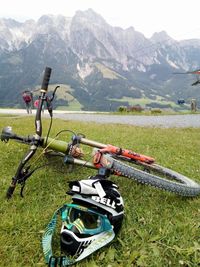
63,147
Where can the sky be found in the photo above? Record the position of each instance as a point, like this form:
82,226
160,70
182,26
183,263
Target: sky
180,19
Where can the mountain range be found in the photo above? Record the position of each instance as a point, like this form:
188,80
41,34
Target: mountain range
98,66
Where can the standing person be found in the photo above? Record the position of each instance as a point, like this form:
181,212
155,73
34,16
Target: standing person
27,97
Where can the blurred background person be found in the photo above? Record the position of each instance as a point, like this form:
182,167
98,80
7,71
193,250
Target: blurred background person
28,100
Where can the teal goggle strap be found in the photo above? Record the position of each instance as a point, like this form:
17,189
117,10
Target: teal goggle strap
103,239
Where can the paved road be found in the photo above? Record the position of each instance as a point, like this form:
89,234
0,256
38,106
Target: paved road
167,121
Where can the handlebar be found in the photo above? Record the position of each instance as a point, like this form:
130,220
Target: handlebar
8,134
23,172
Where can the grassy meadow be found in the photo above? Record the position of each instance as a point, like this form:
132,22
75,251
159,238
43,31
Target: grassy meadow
160,229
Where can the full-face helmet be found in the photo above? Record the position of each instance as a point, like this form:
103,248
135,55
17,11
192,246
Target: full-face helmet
92,220
97,209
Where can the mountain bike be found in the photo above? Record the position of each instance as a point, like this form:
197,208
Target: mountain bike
108,159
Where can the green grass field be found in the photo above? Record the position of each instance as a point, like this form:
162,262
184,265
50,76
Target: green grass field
160,229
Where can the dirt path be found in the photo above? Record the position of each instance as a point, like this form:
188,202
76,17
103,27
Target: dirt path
169,121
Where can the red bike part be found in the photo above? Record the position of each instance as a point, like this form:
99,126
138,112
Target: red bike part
127,154
100,161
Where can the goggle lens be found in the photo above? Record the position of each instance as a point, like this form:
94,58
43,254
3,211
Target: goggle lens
89,220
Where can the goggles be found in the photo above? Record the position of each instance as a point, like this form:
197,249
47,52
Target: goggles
83,220
87,229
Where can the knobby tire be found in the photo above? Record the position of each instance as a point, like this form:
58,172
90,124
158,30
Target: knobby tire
178,183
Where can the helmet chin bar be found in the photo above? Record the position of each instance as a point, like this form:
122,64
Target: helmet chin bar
67,239
80,248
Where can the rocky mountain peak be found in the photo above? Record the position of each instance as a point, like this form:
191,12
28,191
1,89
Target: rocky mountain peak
89,16
162,37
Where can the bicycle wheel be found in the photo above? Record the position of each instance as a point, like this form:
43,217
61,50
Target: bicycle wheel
156,176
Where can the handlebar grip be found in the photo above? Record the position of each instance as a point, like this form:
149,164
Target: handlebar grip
46,78
10,191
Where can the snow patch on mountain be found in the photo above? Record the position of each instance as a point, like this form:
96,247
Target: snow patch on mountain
171,63
84,71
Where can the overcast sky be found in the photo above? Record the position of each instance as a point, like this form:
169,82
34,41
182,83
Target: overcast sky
179,18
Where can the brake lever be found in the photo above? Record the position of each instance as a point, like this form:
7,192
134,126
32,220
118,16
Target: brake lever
49,101
53,94
22,189
49,106
22,180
